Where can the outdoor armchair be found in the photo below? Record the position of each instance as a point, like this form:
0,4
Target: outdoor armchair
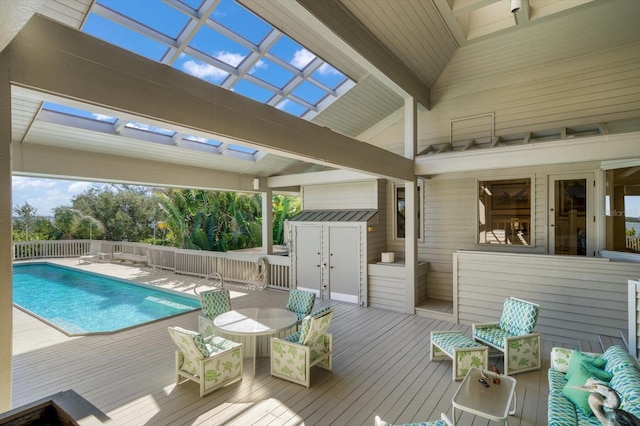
301,302
444,421
293,356
213,303
94,254
212,362
513,336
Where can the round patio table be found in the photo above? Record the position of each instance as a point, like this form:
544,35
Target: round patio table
254,322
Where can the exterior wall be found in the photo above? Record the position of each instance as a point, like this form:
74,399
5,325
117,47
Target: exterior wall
634,318
387,289
350,195
450,219
598,88
579,297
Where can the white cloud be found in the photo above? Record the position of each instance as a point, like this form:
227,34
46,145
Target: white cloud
327,69
259,65
232,59
45,194
23,183
76,188
283,104
203,71
301,58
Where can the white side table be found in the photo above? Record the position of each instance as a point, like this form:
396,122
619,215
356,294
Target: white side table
491,402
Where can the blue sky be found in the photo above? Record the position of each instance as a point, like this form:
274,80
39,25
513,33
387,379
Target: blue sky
45,194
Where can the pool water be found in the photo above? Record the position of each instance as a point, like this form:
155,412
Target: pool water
79,302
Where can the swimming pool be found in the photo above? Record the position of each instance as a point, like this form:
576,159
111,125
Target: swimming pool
80,302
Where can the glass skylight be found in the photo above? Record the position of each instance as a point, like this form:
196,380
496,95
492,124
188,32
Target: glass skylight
95,122
225,44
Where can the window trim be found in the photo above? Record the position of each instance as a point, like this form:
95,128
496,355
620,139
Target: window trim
532,213
420,207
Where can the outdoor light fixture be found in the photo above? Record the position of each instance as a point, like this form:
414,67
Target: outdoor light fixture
515,5
256,184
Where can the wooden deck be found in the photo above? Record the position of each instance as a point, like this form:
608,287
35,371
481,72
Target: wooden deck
381,367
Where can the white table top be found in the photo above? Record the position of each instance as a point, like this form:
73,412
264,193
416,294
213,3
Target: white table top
255,321
491,403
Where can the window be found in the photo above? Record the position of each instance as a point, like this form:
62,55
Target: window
622,209
400,199
504,212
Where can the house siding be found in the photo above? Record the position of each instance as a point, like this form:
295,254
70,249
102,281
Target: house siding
579,297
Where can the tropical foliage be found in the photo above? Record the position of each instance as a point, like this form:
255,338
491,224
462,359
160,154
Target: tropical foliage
185,218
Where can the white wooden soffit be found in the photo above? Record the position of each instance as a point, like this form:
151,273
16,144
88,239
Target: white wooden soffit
50,57
593,148
14,15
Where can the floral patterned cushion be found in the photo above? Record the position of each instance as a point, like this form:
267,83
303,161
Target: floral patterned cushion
314,327
185,336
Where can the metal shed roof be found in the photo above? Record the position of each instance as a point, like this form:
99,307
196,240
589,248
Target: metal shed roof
334,215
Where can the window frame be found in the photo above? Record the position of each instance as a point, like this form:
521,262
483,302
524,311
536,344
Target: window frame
420,207
532,210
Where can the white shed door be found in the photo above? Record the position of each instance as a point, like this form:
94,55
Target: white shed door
308,258
344,263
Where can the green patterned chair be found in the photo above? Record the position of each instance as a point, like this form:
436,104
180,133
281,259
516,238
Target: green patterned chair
444,421
513,336
213,303
293,356
212,362
465,352
301,302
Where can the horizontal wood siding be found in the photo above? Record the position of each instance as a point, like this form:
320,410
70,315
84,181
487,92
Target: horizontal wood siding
387,288
579,297
634,317
351,195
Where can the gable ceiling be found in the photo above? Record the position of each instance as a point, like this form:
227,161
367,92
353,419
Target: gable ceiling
394,50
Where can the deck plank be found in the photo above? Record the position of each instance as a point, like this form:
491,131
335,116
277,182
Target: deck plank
381,367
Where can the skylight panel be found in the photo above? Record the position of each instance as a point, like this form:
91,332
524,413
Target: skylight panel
241,21
252,91
202,140
164,19
243,149
193,4
49,106
118,35
218,46
292,107
329,76
200,69
149,128
309,92
271,73
292,53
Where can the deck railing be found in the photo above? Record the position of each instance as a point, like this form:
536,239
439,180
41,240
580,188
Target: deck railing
633,243
239,267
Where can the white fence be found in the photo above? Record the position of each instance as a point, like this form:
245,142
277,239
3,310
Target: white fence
633,243
239,267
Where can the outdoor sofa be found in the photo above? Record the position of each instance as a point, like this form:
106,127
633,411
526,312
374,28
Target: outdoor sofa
616,367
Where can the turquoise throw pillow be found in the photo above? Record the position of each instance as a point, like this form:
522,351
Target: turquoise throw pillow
579,397
579,359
